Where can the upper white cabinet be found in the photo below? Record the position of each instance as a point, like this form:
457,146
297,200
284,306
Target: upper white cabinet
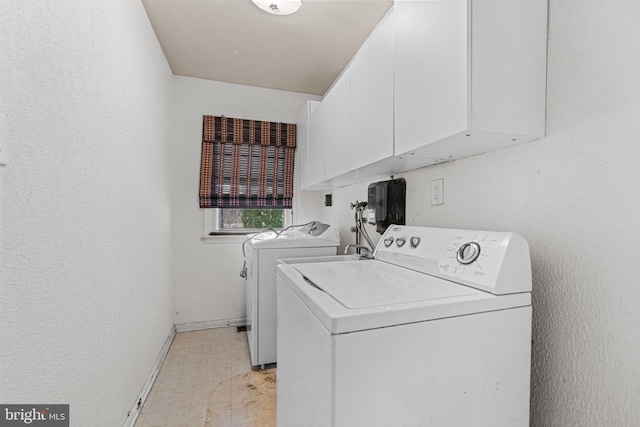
431,78
470,76
302,142
329,134
437,80
372,98
336,120
315,154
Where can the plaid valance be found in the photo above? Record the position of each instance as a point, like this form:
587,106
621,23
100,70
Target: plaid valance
246,163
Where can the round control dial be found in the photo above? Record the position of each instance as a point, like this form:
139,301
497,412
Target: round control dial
468,253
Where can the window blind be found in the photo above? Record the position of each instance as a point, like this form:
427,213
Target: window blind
246,163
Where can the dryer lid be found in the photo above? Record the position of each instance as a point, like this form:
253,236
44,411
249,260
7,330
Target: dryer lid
314,234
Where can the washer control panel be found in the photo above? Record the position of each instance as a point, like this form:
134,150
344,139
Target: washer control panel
474,258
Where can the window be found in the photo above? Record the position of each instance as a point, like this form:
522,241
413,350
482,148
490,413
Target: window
243,221
252,219
246,175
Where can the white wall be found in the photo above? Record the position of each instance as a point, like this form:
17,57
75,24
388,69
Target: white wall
85,291
208,287
575,196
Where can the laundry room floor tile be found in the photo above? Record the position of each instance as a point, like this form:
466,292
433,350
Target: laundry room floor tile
207,380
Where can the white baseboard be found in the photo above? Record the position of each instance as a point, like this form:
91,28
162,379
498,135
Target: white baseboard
142,397
196,326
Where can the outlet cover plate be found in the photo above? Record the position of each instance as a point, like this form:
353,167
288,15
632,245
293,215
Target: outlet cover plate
437,191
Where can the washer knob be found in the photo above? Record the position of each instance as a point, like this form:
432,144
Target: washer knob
388,241
400,241
468,253
415,241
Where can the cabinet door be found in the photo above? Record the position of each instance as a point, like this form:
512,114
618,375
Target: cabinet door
431,71
315,159
302,144
372,98
335,120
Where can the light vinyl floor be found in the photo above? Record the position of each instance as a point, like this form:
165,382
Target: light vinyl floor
206,380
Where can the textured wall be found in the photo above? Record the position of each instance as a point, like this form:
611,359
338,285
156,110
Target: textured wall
208,286
85,292
574,196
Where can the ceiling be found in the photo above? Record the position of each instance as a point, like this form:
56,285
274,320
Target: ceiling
234,41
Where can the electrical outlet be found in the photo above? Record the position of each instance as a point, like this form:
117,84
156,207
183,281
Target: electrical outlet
437,191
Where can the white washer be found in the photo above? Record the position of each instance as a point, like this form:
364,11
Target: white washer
435,331
262,252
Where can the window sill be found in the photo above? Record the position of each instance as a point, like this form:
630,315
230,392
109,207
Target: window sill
223,238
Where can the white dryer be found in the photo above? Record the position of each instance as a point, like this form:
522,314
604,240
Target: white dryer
262,252
435,331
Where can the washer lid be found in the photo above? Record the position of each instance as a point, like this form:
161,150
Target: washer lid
415,297
358,284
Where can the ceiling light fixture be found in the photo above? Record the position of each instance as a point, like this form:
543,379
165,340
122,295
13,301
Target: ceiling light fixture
279,7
